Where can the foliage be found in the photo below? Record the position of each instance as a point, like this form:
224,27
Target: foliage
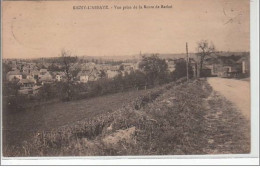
54,67
6,69
181,70
10,88
49,91
102,74
153,71
154,68
11,99
70,71
204,51
161,119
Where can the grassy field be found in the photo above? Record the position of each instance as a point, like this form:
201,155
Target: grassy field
20,126
174,119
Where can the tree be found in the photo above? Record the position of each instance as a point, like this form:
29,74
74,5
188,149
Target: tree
121,67
154,68
10,88
48,91
102,74
53,67
70,71
204,51
6,69
181,70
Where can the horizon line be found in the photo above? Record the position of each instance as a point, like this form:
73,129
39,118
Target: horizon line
28,58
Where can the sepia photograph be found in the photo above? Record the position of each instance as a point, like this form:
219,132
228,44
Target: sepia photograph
125,78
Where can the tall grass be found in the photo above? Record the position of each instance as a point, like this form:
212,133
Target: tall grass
168,120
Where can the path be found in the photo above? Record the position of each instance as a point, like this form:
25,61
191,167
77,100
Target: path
236,91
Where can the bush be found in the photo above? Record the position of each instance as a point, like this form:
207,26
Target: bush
181,70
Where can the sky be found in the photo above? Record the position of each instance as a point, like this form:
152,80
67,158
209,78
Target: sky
45,28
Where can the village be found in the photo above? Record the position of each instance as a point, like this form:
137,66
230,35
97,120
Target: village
38,95
31,76
148,80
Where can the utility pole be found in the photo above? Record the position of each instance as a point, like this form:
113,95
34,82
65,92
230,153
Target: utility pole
187,64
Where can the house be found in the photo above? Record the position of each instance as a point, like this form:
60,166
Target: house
171,65
28,68
26,83
25,74
30,77
245,63
112,73
83,76
58,76
89,75
28,86
35,74
43,71
15,68
228,66
14,75
94,74
45,76
129,66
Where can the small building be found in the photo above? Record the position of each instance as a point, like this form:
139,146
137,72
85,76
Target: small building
35,74
112,73
43,71
94,74
228,66
30,77
58,76
129,66
45,76
171,64
27,86
83,76
14,75
245,63
89,75
28,68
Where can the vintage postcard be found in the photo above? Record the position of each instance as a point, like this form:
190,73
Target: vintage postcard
126,78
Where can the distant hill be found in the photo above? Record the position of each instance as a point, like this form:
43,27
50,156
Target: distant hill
136,57
163,56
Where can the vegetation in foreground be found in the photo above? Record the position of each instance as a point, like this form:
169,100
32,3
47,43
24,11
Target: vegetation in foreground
177,118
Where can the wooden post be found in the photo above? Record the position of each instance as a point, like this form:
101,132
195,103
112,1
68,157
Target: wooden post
187,64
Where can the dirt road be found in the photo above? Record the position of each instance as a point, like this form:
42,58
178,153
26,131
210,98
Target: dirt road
236,91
